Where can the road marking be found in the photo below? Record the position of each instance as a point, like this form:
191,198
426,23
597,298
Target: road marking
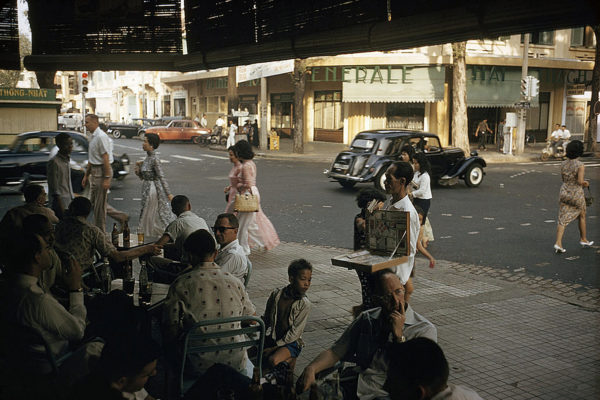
446,215
186,158
218,157
117,198
488,218
126,147
519,269
526,224
306,205
473,233
500,228
445,237
549,221
572,258
327,206
466,216
136,199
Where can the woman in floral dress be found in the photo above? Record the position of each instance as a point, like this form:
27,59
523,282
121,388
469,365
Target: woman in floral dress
571,197
156,211
255,231
234,179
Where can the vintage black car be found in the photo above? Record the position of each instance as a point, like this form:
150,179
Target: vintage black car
26,159
371,152
118,130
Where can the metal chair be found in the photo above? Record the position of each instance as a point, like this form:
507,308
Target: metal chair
195,342
247,277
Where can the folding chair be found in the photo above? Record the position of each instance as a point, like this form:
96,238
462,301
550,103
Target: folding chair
247,277
195,342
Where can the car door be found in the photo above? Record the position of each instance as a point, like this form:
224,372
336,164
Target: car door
173,131
187,131
35,153
435,155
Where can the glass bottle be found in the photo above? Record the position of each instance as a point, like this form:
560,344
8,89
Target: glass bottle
126,236
115,235
106,276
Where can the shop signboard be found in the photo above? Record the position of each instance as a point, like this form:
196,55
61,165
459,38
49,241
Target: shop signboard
262,70
495,86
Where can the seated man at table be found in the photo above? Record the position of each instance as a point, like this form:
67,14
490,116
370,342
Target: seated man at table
26,305
366,340
204,293
419,371
35,200
231,258
76,236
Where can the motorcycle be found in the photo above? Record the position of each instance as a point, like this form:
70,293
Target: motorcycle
554,150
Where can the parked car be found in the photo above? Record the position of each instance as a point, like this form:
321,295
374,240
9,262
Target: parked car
184,129
118,130
72,121
26,159
372,152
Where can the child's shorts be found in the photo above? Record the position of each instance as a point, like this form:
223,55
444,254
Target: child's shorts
294,349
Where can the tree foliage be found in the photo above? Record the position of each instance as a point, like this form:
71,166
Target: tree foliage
10,78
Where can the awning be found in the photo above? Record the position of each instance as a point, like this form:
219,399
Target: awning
393,84
493,86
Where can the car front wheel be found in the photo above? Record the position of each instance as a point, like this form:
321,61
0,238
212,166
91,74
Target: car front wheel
380,179
196,140
116,133
474,175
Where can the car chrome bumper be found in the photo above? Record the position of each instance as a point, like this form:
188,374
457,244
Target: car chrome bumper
337,175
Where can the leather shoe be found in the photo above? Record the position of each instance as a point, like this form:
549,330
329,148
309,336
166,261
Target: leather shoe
586,244
558,249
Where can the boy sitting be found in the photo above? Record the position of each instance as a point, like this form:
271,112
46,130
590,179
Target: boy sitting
286,315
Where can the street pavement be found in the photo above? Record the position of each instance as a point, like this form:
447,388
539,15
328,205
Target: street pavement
506,335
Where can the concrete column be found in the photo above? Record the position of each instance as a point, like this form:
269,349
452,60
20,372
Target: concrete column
264,103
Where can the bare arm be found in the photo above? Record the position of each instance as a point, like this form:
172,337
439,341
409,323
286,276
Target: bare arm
107,171
423,250
326,359
121,256
164,239
580,177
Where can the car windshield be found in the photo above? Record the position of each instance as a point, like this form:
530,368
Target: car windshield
362,144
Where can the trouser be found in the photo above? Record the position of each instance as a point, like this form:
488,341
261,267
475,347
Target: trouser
481,140
98,196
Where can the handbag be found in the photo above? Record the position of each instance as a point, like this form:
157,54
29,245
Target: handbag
246,202
589,199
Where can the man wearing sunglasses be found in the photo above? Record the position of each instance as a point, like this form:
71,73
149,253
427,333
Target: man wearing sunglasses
231,257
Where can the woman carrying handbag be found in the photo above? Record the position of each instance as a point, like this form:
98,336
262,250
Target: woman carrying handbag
255,231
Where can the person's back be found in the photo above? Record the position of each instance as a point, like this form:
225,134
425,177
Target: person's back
184,225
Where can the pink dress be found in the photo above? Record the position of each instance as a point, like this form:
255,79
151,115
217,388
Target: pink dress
234,179
256,231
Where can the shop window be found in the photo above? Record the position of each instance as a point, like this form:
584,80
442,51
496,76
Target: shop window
179,105
328,110
222,105
249,103
405,115
212,104
202,105
281,110
216,83
575,116
541,37
537,117
583,37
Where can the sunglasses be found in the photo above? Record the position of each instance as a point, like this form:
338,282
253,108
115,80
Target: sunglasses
221,228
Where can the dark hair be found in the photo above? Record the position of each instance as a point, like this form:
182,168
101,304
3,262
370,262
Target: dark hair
61,139
417,362
378,278
365,195
233,150
424,165
244,150
298,265
179,203
403,170
80,207
32,192
35,223
92,116
153,140
127,356
233,220
200,244
408,149
21,249
574,149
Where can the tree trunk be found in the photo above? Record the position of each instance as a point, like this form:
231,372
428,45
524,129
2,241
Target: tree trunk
590,142
299,78
233,100
45,79
460,126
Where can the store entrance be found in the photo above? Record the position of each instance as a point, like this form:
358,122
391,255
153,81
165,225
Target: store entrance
475,115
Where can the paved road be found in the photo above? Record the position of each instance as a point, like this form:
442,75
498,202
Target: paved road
508,222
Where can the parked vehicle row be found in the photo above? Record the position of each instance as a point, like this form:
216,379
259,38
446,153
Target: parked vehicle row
184,129
26,159
372,152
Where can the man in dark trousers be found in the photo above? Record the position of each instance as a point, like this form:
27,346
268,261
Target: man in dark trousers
481,133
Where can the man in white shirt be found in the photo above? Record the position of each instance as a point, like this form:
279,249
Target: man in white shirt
418,370
27,305
556,136
398,176
100,158
565,134
203,121
231,258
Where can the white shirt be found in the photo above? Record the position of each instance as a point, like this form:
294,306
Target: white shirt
233,259
423,184
220,122
403,270
99,145
455,392
566,135
232,129
184,225
40,311
557,134
203,122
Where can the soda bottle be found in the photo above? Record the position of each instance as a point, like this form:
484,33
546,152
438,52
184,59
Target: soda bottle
126,236
128,279
106,276
145,283
115,235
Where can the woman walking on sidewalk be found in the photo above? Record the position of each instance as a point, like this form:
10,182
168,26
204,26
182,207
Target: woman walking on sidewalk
234,179
156,212
571,197
256,231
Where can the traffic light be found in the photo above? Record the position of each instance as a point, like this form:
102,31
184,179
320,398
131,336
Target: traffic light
524,87
84,82
534,86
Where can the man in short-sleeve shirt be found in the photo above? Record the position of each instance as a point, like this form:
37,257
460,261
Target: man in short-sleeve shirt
59,175
204,293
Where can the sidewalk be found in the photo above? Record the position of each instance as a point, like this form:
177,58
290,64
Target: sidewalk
326,152
506,335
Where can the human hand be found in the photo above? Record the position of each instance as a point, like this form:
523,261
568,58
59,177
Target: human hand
155,249
397,320
432,262
170,196
586,184
305,380
227,189
73,277
84,181
106,183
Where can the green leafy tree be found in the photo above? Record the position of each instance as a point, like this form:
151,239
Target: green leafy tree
9,78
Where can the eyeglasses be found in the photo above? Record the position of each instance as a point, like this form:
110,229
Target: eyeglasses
221,229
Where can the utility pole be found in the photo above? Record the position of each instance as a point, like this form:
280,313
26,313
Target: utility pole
522,124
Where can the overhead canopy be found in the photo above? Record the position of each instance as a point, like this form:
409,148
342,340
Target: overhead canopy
67,34
405,84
